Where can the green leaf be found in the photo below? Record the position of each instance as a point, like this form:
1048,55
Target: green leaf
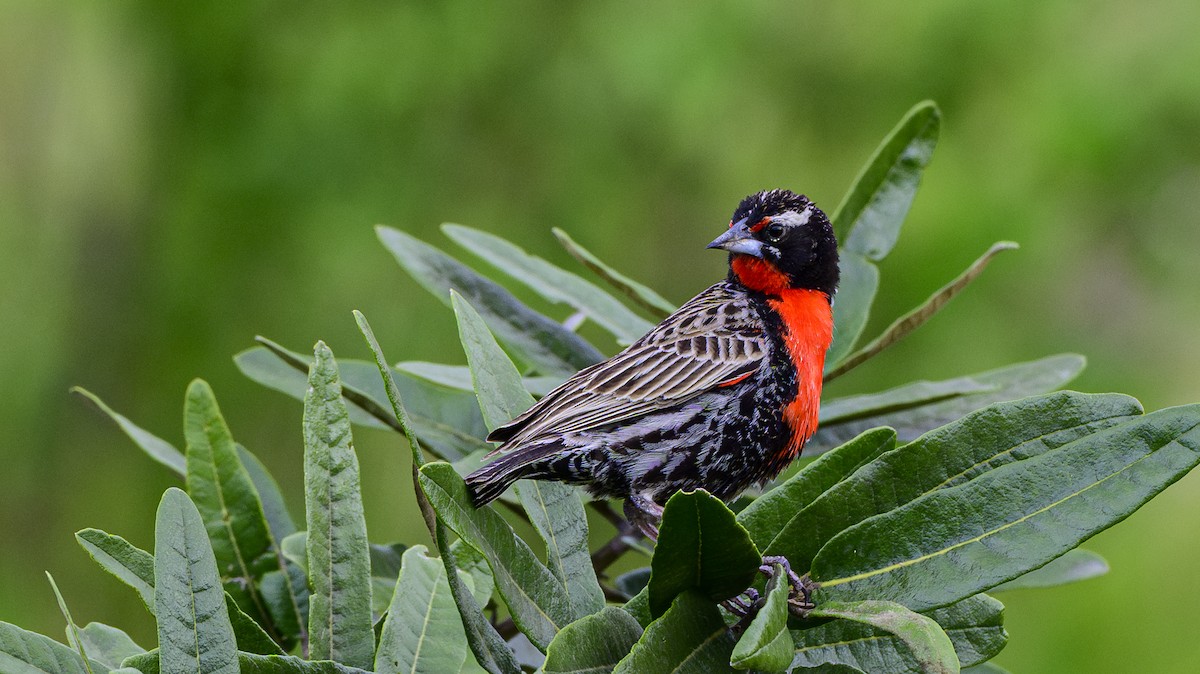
250,663
535,339
555,510
285,593
422,631
868,220
766,644
908,396
631,583
284,590
194,632
690,638
884,409
223,492
906,324
700,546
852,306
593,644
339,561
279,520
768,514
155,447
640,294
496,381
459,376
386,562
107,645
135,567
930,648
1074,566
951,455
295,549
446,420
539,604
395,398
23,652
132,565
72,630
490,649
976,627
985,668
956,541
552,282
470,561
288,664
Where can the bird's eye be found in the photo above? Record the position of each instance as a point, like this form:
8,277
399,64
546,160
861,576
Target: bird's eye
775,231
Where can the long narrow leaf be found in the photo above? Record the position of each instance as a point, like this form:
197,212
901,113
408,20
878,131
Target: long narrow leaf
552,282
555,510
690,638
951,455
195,635
422,632
535,339
155,447
903,326
107,645
459,376
767,515
27,652
539,604
868,219
489,648
593,644
954,542
910,412
447,421
132,565
339,561
852,305
641,294
135,567
224,494
930,648
700,547
1072,567
284,590
72,630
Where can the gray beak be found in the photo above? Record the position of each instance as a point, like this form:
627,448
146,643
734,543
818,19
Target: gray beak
739,239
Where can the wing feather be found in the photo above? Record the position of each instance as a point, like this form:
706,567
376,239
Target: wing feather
714,338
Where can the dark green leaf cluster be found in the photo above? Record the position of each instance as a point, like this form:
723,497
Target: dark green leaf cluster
919,501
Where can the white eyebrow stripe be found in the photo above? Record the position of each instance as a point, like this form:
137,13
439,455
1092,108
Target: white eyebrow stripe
794,219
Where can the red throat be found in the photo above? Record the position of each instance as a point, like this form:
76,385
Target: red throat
808,329
758,274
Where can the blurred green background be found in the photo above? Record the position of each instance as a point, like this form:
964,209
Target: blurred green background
178,177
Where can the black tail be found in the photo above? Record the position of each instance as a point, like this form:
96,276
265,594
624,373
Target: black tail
490,481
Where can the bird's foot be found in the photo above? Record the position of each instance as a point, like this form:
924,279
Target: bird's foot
800,588
644,513
744,605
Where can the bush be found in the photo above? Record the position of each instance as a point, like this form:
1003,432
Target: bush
910,504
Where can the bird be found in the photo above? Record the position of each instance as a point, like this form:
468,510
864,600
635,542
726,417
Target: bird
721,395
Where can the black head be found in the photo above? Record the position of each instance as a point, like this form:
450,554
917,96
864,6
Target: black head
787,232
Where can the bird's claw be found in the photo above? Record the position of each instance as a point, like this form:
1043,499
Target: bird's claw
644,513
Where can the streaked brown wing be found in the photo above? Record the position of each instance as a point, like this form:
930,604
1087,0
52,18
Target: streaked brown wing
714,338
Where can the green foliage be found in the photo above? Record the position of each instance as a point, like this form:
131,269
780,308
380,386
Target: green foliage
339,559
922,497
701,547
